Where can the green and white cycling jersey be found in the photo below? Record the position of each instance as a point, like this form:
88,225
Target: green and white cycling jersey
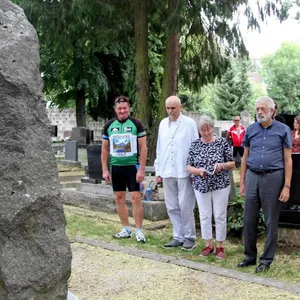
123,140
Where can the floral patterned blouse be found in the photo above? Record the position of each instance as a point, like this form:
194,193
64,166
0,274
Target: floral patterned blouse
295,142
206,155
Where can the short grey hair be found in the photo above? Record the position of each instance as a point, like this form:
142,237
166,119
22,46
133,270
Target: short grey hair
266,99
205,120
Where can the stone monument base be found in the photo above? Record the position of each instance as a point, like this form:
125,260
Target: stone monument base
99,197
289,237
71,163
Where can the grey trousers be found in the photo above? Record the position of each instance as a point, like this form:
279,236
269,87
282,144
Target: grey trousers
180,202
262,191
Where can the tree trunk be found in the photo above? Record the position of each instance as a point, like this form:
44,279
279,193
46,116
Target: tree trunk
143,111
80,108
170,78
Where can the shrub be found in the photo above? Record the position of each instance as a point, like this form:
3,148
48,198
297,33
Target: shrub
235,218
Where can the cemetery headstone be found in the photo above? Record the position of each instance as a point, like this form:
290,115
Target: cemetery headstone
94,164
67,133
71,150
91,136
35,252
71,154
53,130
81,135
246,118
218,130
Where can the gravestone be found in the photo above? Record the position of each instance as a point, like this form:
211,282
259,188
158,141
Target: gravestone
217,130
71,154
94,164
246,118
67,133
91,136
53,130
35,252
81,135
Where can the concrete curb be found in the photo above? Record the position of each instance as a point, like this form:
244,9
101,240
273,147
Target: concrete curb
290,287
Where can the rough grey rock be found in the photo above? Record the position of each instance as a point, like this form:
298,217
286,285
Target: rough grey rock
35,252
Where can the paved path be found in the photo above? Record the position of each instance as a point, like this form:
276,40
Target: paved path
109,271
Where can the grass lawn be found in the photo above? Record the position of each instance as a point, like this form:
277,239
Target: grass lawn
101,226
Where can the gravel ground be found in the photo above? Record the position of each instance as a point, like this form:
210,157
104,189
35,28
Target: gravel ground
102,274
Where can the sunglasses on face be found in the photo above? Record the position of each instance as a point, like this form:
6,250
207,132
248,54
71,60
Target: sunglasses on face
121,100
236,120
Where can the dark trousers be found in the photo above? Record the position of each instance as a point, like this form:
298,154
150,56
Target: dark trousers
262,191
237,150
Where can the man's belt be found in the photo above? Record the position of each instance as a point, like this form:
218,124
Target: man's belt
260,171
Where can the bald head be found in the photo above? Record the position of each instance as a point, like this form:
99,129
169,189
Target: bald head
173,107
173,100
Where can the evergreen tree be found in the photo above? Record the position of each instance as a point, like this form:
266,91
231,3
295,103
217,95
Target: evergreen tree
234,92
226,100
243,85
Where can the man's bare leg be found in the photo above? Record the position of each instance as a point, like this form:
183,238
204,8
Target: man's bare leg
137,208
122,208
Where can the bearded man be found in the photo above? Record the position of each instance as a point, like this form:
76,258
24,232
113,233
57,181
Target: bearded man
266,170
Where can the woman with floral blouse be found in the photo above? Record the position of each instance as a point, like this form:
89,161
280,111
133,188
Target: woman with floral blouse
296,136
209,160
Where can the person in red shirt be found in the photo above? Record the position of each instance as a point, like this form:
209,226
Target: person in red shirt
236,135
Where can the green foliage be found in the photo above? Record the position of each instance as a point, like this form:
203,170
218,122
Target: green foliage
281,72
298,12
226,100
210,37
233,93
87,46
199,102
155,54
80,43
258,90
241,68
235,218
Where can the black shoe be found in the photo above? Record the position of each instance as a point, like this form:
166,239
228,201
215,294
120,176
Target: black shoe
261,268
246,263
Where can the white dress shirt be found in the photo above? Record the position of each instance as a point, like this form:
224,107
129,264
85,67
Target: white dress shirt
173,144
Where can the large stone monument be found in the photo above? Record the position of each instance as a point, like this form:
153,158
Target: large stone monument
35,252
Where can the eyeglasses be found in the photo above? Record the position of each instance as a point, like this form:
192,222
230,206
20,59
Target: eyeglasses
236,120
121,99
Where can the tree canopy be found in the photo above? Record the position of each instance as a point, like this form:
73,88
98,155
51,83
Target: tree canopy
234,92
281,72
93,51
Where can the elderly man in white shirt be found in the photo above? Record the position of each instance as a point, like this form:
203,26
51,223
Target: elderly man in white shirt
175,135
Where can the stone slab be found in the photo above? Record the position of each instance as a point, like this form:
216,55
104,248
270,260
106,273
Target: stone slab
153,210
71,163
70,178
106,189
289,236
